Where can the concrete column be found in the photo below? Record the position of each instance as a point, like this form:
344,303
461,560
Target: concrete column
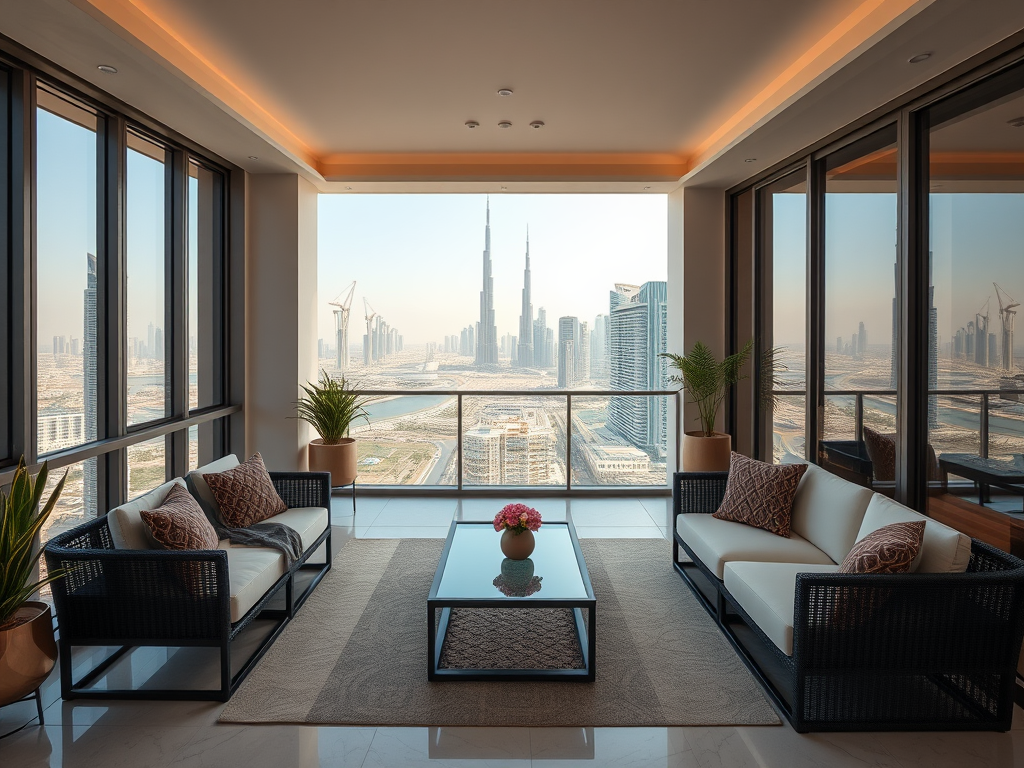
280,316
696,277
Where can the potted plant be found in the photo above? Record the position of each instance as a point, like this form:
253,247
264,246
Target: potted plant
27,648
707,382
330,406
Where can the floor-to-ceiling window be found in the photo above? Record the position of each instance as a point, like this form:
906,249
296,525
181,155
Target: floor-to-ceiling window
784,274
976,250
859,349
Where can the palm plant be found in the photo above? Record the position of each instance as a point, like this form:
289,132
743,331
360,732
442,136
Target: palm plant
707,381
330,406
21,520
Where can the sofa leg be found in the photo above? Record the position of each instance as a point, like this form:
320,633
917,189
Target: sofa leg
720,606
225,670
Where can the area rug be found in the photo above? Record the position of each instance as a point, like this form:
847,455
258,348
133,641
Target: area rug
356,653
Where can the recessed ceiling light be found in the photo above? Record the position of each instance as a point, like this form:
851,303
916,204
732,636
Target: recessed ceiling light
253,157
504,124
504,91
503,189
1017,122
646,187
349,188
920,57
472,124
750,160
537,124
107,68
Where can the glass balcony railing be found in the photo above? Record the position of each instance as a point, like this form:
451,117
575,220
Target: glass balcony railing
544,439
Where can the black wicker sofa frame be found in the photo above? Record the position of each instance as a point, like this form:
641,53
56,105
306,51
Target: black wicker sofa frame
129,598
926,652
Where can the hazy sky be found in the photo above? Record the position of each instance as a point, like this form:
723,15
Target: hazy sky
418,258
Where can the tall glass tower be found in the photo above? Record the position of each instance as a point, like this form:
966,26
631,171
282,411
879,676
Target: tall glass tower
526,318
487,339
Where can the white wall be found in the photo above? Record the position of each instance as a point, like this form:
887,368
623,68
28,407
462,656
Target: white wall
280,315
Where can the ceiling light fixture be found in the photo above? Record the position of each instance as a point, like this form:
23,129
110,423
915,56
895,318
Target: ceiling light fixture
472,124
1017,122
504,124
537,124
504,189
348,189
920,57
646,187
750,160
107,69
253,157
504,91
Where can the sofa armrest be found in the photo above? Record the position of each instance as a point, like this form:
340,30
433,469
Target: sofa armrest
112,596
970,622
699,492
303,489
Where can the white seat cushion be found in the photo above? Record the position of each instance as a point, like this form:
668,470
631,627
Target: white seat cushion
943,549
767,592
308,522
127,528
828,511
252,571
716,542
197,485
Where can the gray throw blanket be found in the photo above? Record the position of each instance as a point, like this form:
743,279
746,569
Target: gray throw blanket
276,535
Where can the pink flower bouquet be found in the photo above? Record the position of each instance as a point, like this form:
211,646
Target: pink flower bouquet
518,518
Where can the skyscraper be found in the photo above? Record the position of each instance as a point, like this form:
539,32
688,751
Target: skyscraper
487,338
541,358
568,352
599,349
862,340
525,347
638,321
90,499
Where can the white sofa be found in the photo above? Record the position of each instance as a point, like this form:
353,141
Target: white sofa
124,589
788,594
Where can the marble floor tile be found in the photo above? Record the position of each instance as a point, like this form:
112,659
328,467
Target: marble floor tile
660,509
486,509
483,747
416,512
402,532
785,747
954,749
601,747
275,746
84,746
367,507
609,512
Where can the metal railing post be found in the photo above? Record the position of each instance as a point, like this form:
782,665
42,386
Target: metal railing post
458,440
858,417
568,442
679,430
984,426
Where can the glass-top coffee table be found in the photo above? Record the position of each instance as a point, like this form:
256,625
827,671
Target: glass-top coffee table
555,576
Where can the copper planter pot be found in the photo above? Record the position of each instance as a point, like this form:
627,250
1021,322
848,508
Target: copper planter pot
338,459
517,546
706,454
27,652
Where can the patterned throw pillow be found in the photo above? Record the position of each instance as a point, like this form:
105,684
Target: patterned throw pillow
760,494
179,523
882,452
245,494
890,549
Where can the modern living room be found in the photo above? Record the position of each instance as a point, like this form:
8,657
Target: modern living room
329,318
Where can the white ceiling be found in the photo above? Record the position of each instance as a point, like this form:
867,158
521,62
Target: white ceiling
365,77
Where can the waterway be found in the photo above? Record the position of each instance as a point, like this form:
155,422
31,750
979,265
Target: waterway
403,406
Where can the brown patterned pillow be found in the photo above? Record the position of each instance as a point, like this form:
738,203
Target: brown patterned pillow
179,523
245,494
882,452
889,549
760,494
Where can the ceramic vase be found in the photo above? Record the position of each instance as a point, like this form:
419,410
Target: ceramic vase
517,546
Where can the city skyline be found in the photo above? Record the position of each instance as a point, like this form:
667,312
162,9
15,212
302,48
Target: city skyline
580,244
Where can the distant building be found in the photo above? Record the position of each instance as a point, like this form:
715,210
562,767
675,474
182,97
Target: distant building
60,430
862,340
839,345
638,319
541,354
599,349
511,445
524,351
487,336
568,352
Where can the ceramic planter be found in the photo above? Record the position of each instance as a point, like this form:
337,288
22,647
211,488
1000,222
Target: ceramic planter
338,459
27,652
706,454
517,546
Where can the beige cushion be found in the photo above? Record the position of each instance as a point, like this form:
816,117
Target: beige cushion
828,511
251,571
127,528
716,542
943,549
308,522
198,487
767,592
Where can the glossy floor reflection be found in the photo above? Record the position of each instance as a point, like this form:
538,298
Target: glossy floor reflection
88,735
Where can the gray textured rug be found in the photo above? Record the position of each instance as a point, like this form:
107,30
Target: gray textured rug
356,653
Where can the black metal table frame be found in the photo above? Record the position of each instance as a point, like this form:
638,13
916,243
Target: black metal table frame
982,479
586,633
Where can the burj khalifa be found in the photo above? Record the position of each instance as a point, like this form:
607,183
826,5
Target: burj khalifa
487,333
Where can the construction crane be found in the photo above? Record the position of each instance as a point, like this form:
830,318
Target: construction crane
1007,310
368,343
341,323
